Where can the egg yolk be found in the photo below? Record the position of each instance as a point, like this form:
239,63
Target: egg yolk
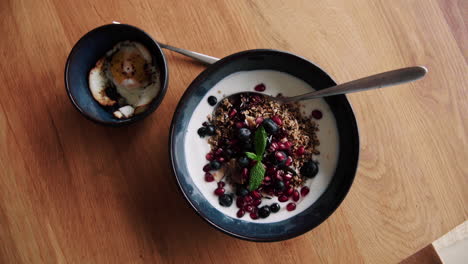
129,69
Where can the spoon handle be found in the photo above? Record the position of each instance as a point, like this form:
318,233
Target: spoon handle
192,54
376,81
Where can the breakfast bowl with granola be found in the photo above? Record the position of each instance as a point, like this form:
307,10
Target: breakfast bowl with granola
255,168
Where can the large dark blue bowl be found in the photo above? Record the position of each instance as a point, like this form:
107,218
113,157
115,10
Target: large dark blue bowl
83,57
348,145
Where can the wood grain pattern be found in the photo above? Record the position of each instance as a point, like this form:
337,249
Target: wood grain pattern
74,192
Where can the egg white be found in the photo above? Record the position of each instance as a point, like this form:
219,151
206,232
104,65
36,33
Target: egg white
100,78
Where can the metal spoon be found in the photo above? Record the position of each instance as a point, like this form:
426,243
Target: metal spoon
192,54
376,81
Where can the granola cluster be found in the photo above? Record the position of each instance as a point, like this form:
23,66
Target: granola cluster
250,111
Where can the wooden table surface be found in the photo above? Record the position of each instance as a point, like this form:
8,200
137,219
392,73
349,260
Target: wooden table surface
72,191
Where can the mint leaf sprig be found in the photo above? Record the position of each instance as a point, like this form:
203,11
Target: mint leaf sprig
257,173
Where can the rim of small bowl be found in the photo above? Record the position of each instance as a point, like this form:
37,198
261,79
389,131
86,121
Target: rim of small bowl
186,96
154,103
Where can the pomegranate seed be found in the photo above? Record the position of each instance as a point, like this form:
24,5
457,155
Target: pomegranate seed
317,114
287,177
240,213
221,184
245,173
277,120
233,141
221,159
259,120
207,168
248,199
288,161
280,156
256,194
267,179
239,202
290,191
279,174
300,151
209,157
304,191
232,113
240,124
256,202
219,191
283,198
260,87
287,183
291,206
254,216
273,147
296,196
248,208
282,146
255,209
288,144
219,152
209,177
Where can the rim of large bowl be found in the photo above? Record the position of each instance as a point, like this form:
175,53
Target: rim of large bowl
186,96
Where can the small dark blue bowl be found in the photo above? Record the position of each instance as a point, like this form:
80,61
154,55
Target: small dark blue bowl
83,57
347,158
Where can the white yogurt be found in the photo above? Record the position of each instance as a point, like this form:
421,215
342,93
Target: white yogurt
275,82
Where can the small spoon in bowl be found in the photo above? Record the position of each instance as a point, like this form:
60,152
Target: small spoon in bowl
376,81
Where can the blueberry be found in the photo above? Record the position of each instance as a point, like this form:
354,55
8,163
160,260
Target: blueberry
210,130
244,134
279,186
264,211
270,126
242,191
274,208
201,131
309,169
225,200
212,100
215,165
243,161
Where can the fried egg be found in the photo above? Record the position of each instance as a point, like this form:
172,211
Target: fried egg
125,78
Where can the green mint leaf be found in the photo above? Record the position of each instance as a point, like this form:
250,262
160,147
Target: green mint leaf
260,141
257,173
251,155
